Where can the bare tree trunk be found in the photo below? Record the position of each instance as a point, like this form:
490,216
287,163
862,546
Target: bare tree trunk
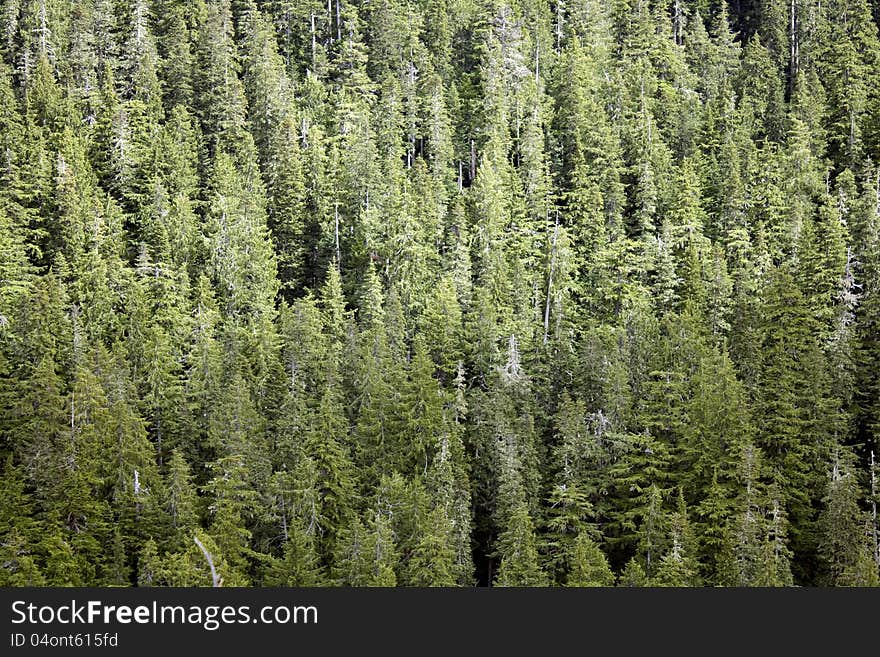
159,440
794,58
215,577
560,18
314,38
537,62
677,20
329,19
550,279
336,235
874,509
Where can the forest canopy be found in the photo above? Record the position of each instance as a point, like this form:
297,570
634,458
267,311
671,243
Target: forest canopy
439,292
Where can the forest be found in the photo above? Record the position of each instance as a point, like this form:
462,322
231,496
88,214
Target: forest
440,292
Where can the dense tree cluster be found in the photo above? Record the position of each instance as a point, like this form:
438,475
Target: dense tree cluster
439,292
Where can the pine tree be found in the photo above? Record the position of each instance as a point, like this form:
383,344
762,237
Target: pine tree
679,567
439,293
242,258
174,43
517,550
233,502
218,93
850,49
299,564
326,445
844,546
20,567
589,565
441,326
633,575
366,554
433,561
15,270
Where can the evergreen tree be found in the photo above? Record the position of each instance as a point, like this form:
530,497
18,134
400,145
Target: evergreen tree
299,564
844,547
589,565
439,292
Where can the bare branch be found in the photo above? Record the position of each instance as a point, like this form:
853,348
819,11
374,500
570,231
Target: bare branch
215,578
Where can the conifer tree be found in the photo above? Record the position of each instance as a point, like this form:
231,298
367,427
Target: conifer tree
433,561
299,564
439,293
589,565
845,546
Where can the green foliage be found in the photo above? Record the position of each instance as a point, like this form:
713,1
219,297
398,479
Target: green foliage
439,293
299,564
589,565
517,552
433,561
845,546
367,554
